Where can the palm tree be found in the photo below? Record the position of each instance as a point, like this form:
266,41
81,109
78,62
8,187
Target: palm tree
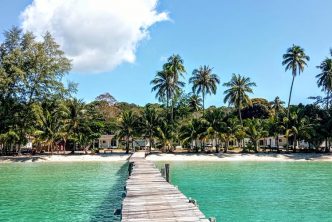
236,94
214,117
228,131
254,129
166,87
194,103
175,66
75,118
165,135
127,127
204,81
295,60
193,131
325,78
277,105
149,123
49,122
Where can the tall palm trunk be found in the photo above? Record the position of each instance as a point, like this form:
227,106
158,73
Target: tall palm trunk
290,96
327,141
256,146
226,146
294,143
150,145
127,145
216,144
203,100
240,116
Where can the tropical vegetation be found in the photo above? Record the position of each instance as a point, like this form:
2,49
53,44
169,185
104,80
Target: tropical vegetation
36,105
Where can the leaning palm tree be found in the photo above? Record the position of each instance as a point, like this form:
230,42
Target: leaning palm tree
204,81
127,127
295,60
237,92
325,78
166,87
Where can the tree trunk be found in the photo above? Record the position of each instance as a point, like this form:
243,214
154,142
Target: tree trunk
240,116
203,99
150,145
256,146
216,144
294,144
64,146
290,96
226,146
127,146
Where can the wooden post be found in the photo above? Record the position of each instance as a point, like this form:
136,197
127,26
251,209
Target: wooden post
162,171
130,167
167,172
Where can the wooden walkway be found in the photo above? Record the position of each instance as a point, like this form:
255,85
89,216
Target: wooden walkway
151,199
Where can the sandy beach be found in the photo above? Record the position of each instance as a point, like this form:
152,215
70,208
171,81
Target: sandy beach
171,157
65,158
239,157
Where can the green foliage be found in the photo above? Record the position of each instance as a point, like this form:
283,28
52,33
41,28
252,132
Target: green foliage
237,92
204,81
295,60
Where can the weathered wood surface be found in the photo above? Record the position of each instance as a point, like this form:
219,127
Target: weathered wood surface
151,199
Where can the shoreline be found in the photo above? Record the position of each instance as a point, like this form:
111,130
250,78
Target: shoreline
155,157
56,158
233,157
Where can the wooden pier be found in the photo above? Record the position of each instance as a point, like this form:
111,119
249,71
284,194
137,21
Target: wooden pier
149,198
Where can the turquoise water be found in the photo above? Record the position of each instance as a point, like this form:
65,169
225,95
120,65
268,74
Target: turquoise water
264,191
61,191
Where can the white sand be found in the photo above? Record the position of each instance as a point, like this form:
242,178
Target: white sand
66,158
239,157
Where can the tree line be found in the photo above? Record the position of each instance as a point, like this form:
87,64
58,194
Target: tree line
35,104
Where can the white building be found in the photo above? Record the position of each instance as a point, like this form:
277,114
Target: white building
107,141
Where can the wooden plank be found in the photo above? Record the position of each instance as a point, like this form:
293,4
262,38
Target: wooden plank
150,198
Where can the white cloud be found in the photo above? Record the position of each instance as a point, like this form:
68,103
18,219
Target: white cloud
97,35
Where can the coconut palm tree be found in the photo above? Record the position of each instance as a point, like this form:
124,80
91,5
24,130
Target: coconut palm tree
277,105
49,121
254,129
228,130
165,135
204,81
149,123
237,92
194,103
193,131
167,83
175,66
127,127
166,87
295,60
215,117
75,114
325,78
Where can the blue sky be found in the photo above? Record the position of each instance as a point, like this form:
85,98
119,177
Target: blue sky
242,36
